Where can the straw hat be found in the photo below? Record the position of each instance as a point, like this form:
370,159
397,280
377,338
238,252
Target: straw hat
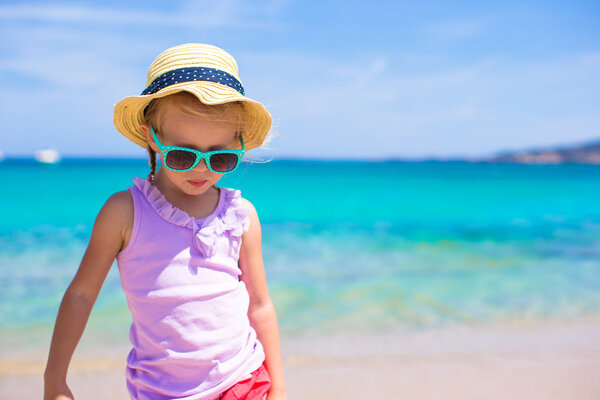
206,71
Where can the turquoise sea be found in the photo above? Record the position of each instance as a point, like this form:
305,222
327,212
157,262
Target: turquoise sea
349,246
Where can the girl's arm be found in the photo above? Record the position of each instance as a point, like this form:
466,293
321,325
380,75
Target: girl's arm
261,312
110,232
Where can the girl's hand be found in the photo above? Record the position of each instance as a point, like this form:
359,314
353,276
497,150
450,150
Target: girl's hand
57,392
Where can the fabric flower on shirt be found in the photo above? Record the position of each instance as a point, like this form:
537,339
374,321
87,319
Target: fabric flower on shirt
205,239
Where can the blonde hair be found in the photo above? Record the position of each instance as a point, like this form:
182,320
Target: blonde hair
232,113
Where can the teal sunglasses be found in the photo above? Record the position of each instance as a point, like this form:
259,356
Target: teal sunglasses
184,159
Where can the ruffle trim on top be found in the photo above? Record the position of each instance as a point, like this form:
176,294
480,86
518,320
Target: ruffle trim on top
230,218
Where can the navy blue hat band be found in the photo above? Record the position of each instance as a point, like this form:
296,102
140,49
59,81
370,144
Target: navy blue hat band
193,74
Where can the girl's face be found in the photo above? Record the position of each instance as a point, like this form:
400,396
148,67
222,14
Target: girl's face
192,131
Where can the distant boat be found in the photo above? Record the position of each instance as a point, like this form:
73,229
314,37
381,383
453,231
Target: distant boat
47,156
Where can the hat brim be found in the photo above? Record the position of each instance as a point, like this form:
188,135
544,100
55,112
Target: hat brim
129,112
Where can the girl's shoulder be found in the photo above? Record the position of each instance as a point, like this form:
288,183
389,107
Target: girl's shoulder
236,198
250,212
236,204
120,204
118,212
245,203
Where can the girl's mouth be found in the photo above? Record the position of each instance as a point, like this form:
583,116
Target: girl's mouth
197,183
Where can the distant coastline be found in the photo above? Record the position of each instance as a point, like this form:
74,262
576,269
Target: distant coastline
588,153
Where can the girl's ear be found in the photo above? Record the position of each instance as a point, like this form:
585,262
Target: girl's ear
146,129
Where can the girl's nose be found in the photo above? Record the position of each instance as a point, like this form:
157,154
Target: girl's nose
201,166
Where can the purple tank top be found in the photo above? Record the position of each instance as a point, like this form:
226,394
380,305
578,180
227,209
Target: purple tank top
191,335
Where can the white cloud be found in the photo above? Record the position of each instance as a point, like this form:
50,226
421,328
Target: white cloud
192,14
473,109
63,57
456,29
372,71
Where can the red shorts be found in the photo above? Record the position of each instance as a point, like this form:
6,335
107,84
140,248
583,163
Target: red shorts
253,388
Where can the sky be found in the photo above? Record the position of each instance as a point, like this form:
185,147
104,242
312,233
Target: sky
342,79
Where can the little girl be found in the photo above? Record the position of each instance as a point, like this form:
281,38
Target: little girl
188,252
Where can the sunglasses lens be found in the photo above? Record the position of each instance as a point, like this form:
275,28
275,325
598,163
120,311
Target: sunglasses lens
223,162
180,159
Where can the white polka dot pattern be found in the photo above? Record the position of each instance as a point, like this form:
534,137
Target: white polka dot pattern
193,74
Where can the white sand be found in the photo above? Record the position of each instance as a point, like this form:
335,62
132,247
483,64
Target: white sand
550,360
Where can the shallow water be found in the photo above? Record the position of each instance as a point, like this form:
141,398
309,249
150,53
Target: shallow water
348,246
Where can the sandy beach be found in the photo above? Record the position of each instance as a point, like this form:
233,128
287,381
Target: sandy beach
529,360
